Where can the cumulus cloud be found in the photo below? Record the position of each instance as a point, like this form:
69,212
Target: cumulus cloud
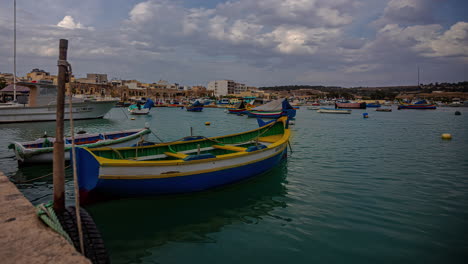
69,23
407,12
452,43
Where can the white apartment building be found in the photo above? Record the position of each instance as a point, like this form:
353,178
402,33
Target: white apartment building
225,87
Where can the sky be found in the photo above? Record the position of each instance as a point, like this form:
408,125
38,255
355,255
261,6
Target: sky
346,43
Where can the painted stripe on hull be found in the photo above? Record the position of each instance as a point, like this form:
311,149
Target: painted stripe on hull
185,184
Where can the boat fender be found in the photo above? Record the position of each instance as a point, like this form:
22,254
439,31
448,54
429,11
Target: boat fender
446,136
95,249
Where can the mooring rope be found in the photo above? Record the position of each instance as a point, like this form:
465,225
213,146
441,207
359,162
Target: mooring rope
47,215
37,178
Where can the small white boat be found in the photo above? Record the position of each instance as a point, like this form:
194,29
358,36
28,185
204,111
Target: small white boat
334,111
313,107
41,150
39,104
139,109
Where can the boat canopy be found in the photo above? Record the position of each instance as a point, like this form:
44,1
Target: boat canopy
276,105
240,105
149,104
197,103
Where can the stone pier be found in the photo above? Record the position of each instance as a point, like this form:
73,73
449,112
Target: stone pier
24,238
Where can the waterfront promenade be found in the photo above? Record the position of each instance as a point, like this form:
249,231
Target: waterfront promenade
23,237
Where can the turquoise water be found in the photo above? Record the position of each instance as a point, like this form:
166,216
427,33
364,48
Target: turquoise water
385,189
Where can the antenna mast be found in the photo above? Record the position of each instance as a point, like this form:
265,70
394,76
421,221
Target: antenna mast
14,53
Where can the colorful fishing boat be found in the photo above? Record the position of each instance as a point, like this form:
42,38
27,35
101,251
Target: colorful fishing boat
41,150
423,104
347,104
334,111
239,108
273,109
195,107
188,165
139,109
380,109
373,105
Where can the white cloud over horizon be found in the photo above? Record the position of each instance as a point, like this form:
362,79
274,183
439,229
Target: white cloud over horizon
282,41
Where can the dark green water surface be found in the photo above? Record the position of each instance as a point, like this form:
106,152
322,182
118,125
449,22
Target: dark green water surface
386,189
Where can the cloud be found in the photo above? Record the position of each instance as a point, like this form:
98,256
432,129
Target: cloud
69,23
452,43
407,12
259,42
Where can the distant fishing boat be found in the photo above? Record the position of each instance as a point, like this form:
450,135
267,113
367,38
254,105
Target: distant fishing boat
422,104
239,108
348,104
195,107
373,105
41,150
313,107
139,109
383,109
273,109
334,111
188,165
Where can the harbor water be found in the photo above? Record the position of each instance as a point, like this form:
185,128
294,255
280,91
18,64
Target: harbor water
383,189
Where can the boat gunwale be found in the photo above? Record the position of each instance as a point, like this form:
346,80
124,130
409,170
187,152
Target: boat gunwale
191,173
29,151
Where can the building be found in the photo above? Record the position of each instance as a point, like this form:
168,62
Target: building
226,87
98,78
38,75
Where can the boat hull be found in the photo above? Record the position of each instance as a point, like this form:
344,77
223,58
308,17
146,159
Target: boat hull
194,109
237,111
143,111
351,105
26,156
417,106
114,181
334,111
82,110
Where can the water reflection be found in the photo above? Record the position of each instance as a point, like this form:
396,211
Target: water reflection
134,226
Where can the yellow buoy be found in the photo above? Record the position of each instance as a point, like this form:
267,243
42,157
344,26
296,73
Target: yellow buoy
207,123
132,118
446,136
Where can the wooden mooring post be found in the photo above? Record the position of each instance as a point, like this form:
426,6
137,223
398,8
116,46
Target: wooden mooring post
59,146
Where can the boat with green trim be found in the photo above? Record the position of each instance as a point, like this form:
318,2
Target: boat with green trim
41,150
188,165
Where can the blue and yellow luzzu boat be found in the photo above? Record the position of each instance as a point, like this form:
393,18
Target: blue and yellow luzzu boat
273,109
423,104
189,165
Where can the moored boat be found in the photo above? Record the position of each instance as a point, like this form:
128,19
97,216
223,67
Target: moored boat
273,109
39,104
239,108
41,150
423,104
373,105
383,109
139,109
334,111
348,104
195,107
188,165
